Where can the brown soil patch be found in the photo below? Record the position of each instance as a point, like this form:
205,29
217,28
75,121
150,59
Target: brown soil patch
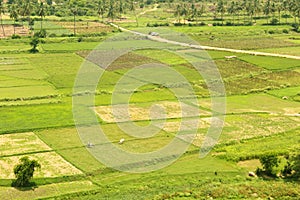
9,31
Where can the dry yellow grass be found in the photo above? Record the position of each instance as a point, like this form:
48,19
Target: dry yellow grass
53,165
19,143
140,112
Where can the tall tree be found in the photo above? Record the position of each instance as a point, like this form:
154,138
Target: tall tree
132,8
267,9
13,14
121,9
111,10
27,8
178,12
279,8
101,9
194,13
285,6
2,11
232,9
74,10
202,10
250,9
42,12
256,8
221,9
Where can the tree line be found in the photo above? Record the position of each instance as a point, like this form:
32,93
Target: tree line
236,11
250,10
23,10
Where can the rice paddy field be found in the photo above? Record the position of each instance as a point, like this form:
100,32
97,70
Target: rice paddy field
262,112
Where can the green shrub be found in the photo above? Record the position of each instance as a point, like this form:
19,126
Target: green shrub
41,34
15,36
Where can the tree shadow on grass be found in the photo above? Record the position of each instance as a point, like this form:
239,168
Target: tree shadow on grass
28,187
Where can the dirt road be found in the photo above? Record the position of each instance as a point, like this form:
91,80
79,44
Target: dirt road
159,39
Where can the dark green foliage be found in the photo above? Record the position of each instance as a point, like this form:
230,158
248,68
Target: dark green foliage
34,44
24,172
41,34
295,27
269,162
296,166
14,36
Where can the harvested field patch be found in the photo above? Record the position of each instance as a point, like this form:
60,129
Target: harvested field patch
19,143
53,165
236,68
85,27
243,43
139,112
67,143
250,165
271,63
130,60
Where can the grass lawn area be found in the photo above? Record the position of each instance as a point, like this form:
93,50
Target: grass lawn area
271,63
288,92
26,92
67,143
284,50
47,191
253,148
257,103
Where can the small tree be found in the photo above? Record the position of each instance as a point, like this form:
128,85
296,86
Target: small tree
24,171
269,162
34,44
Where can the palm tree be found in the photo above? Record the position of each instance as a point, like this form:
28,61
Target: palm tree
232,9
250,10
267,9
13,14
285,6
2,11
101,9
74,11
295,9
111,11
279,7
257,8
184,12
244,4
221,9
121,9
178,12
194,13
27,7
201,10
239,8
133,9
273,9
41,12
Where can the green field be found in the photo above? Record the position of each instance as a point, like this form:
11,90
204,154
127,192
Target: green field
37,98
